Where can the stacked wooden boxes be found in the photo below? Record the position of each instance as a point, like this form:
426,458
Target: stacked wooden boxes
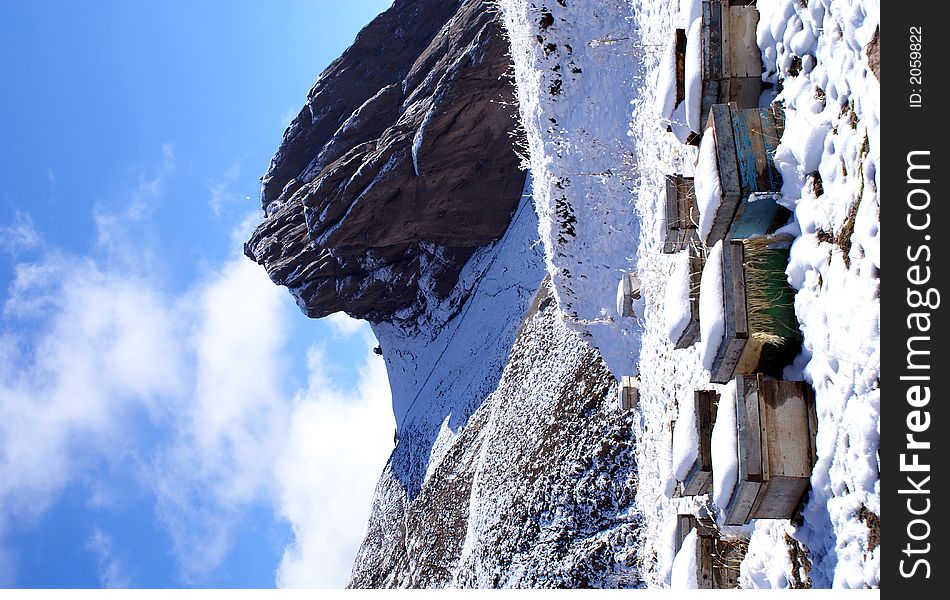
682,215
732,61
744,349
699,479
777,427
745,142
717,559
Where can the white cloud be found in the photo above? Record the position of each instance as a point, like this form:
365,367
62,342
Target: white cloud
346,326
92,359
90,345
19,235
228,436
111,570
337,448
219,190
125,234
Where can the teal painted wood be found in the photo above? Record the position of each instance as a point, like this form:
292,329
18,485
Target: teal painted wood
712,95
745,153
754,218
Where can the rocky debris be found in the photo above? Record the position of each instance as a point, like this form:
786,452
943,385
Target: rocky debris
398,167
535,490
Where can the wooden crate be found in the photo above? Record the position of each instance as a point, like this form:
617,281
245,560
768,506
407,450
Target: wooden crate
777,427
732,62
741,352
699,479
730,552
629,392
691,332
716,562
745,142
682,216
628,291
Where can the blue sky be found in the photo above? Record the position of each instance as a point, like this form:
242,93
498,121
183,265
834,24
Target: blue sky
167,416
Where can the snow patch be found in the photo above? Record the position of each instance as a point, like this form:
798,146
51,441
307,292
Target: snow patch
677,297
707,185
712,318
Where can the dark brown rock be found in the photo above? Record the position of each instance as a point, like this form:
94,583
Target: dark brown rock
399,166
873,51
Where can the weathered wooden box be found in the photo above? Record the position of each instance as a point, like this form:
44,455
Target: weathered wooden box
745,142
777,427
761,330
691,332
732,61
628,292
681,213
629,392
699,479
717,559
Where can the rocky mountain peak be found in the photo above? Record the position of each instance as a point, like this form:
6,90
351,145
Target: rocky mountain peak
398,168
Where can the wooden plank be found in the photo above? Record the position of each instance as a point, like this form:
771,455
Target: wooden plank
705,549
744,56
727,557
739,511
697,482
740,506
786,417
779,498
720,123
725,41
684,524
713,93
699,479
711,32
745,150
706,415
689,336
749,391
737,278
687,195
744,91
768,426
691,332
671,212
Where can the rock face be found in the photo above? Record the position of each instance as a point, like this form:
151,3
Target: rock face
398,168
536,490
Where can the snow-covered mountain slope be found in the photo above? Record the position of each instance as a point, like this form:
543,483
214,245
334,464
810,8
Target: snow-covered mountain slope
535,490
576,71
587,75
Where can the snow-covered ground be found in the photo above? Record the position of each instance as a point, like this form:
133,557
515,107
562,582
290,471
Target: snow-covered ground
589,74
